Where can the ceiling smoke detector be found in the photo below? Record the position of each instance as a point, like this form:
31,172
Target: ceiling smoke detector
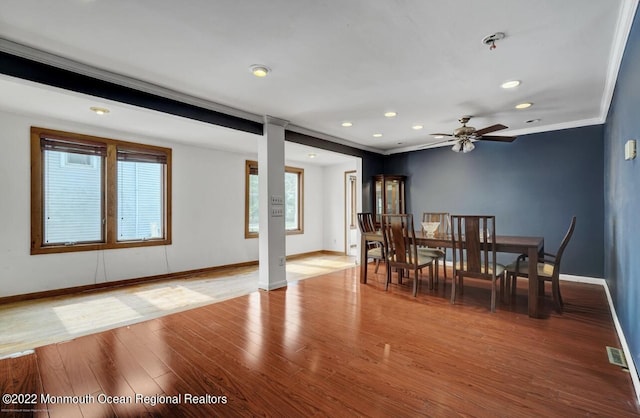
491,39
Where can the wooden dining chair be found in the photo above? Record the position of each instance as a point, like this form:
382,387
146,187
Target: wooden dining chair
443,229
402,254
548,269
375,250
474,255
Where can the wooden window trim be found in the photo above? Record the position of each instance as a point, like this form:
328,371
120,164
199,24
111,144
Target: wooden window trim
109,192
249,167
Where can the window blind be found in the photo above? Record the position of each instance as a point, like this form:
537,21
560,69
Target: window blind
73,146
141,156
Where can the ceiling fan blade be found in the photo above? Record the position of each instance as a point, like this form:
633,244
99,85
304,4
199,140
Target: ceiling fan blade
498,138
440,134
489,129
431,144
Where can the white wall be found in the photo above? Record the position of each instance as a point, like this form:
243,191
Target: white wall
208,217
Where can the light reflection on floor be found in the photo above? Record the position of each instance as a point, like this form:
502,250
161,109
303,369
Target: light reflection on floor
31,324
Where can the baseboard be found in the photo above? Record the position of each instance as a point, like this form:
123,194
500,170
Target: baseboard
583,279
117,283
623,341
137,280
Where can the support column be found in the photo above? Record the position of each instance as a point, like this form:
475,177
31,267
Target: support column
272,245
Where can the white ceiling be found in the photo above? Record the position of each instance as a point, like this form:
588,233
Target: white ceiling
332,61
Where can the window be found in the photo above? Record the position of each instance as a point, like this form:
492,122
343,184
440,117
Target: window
90,193
293,198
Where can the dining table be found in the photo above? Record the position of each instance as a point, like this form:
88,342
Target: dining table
533,247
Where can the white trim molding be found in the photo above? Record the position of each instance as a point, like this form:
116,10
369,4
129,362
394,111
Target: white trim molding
623,341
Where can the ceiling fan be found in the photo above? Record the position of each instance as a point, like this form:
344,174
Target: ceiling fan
465,135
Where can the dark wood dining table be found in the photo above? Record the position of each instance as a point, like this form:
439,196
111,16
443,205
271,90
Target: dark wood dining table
532,246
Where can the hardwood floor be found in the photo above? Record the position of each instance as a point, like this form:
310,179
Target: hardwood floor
330,346
28,324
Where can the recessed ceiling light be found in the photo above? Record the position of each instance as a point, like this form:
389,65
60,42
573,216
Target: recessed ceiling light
312,156
259,70
417,127
99,110
510,84
391,114
347,124
438,136
532,121
377,135
524,105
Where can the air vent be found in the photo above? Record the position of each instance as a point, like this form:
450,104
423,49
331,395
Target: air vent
616,356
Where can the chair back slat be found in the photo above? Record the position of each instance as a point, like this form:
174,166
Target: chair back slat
365,222
471,242
565,241
444,227
399,236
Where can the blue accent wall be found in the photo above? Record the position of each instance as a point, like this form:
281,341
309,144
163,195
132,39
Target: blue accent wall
622,194
564,169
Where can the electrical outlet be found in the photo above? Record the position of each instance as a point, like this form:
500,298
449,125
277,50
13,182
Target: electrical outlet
282,261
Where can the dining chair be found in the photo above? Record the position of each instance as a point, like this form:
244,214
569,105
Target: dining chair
443,229
375,249
473,254
399,238
548,269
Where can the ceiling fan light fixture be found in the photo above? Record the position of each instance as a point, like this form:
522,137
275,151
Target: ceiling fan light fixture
457,147
467,146
510,84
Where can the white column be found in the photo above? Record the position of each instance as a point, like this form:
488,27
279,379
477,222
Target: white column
272,244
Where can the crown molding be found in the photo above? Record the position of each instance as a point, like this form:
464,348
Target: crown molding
618,45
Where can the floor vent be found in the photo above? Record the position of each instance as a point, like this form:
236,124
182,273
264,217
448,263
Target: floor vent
616,356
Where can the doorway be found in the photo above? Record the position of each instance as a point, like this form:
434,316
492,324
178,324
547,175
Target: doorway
351,208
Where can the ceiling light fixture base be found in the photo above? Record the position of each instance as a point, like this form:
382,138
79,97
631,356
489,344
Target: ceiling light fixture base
491,39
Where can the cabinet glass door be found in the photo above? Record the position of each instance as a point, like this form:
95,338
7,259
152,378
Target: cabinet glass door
393,197
388,196
378,202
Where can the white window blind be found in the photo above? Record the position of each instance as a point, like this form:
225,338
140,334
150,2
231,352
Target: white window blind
72,193
140,194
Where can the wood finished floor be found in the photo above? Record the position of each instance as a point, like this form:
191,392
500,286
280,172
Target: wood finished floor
29,324
330,346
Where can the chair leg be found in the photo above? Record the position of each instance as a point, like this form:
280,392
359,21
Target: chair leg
557,281
453,288
557,299
388,277
493,294
415,282
377,266
433,282
444,265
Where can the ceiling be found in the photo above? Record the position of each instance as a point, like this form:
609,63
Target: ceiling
331,62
